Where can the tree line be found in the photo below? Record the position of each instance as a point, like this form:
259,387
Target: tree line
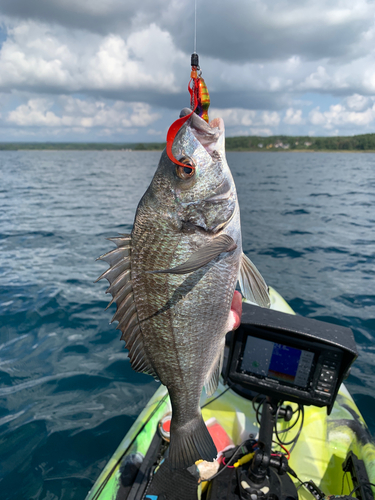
364,142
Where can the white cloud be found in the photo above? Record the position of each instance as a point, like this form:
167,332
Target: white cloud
35,57
36,113
154,132
82,114
293,116
338,115
358,102
246,117
134,64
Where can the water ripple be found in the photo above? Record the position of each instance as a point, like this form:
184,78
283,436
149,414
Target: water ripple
67,390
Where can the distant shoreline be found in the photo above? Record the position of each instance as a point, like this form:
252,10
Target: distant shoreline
228,150
355,151
364,143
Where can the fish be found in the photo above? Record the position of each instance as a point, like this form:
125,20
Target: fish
173,279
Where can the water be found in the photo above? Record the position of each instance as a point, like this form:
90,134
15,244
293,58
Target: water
67,392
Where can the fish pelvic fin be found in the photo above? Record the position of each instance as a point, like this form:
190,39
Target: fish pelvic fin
119,277
203,256
190,443
212,380
252,284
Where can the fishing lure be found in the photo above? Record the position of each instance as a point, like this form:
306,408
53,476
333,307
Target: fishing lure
199,103
198,90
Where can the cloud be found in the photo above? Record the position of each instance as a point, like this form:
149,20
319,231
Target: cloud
154,132
137,63
239,121
293,116
78,114
148,61
339,115
97,16
259,59
35,58
240,30
271,30
358,102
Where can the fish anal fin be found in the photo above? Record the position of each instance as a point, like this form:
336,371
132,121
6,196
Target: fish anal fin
132,335
212,380
252,284
203,256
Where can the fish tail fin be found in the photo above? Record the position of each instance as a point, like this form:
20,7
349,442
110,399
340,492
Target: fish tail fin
190,443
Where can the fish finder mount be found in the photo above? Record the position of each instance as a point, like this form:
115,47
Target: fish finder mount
285,358
266,477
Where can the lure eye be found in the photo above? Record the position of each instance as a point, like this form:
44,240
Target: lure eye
187,171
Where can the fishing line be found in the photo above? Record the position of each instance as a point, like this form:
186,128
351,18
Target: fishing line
195,27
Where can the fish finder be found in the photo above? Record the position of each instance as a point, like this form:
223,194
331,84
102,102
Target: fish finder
288,357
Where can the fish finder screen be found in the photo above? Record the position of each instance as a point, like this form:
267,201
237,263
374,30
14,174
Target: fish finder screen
277,361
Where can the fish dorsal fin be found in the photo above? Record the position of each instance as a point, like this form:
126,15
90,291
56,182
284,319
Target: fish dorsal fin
252,284
121,288
212,380
203,256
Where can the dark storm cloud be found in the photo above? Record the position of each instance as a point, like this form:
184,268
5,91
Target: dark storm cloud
239,30
242,31
106,16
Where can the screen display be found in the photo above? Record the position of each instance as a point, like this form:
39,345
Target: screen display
277,361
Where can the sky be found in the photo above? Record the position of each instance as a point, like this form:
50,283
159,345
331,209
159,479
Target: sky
118,70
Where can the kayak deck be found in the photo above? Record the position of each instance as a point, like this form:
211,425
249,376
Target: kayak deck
322,446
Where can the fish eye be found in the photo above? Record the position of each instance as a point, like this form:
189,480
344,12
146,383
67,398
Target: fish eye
185,172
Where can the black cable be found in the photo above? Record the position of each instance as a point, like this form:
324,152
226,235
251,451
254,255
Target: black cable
256,410
299,430
342,482
357,487
217,397
228,463
293,473
294,423
303,483
347,480
295,439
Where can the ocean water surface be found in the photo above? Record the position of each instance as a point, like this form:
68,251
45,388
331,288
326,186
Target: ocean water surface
67,391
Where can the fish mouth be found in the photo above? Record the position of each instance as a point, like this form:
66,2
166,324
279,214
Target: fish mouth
221,193
208,134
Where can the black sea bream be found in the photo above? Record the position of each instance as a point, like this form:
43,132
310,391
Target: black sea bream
174,277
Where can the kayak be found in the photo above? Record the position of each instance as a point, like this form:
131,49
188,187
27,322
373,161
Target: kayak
322,448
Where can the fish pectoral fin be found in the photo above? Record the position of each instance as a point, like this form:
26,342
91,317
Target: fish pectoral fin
203,256
212,380
252,284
